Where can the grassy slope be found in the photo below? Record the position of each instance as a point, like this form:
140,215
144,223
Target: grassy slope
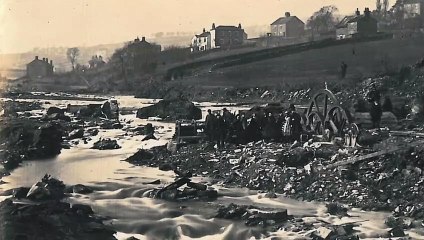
317,66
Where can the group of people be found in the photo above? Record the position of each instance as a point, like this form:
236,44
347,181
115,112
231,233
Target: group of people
241,128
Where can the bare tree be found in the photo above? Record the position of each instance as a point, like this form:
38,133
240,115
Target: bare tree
323,20
378,6
385,7
72,55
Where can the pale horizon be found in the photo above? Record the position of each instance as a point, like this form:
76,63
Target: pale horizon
25,25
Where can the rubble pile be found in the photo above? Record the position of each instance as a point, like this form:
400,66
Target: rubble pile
391,182
40,213
12,108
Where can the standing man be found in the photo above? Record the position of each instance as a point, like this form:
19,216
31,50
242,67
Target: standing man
210,125
294,123
374,98
220,131
343,68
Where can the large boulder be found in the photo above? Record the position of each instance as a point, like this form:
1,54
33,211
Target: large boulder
171,110
47,141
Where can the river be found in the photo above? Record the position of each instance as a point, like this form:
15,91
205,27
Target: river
120,188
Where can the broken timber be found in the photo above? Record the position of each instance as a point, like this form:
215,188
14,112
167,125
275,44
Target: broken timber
372,155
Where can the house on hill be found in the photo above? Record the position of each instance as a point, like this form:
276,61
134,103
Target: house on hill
224,37
227,37
413,11
38,68
201,42
288,27
413,8
141,55
357,25
96,61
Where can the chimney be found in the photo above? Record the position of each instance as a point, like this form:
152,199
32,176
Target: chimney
213,26
47,60
36,57
143,39
287,14
44,59
51,62
358,13
239,26
204,30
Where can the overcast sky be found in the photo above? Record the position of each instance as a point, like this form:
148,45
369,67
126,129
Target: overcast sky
25,24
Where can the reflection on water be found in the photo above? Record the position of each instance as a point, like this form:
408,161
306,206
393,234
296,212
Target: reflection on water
120,188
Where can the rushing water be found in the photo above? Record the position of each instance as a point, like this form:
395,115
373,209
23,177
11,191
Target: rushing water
120,188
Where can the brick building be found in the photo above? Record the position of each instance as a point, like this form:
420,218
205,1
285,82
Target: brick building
38,68
288,26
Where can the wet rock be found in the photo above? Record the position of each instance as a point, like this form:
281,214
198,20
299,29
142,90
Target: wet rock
47,141
54,110
38,191
252,215
397,232
56,116
92,131
50,220
82,209
77,133
47,188
171,109
140,156
111,125
149,137
323,233
21,192
81,189
148,129
106,144
336,209
154,182
166,167
198,186
270,195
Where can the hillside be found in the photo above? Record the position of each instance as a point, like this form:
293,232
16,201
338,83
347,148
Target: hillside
315,66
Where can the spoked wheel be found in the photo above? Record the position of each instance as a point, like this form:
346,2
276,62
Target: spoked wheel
325,110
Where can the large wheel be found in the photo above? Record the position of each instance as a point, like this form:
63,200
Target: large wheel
324,112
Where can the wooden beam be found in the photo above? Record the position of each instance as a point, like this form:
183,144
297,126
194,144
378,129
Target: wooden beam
374,154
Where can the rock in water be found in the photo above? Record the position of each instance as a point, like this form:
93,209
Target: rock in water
77,133
47,141
106,144
79,188
53,110
172,110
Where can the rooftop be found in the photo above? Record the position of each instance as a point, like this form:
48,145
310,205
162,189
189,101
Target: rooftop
284,20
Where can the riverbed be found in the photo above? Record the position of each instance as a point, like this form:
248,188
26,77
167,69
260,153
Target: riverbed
120,188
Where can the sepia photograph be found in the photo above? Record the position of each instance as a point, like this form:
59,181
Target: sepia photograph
221,120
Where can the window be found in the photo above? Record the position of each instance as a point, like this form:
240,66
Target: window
204,40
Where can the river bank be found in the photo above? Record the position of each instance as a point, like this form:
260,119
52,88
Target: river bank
119,187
